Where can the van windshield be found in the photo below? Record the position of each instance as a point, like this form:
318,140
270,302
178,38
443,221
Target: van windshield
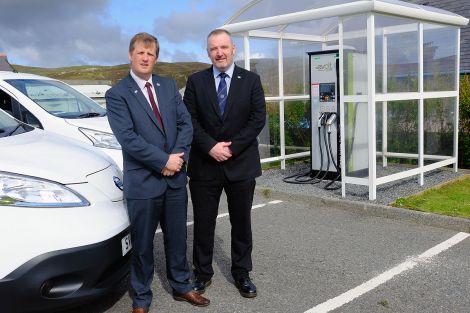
58,98
9,126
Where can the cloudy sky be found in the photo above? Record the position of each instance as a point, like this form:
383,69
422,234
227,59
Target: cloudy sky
55,33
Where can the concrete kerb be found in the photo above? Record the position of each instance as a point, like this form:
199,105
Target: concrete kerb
372,209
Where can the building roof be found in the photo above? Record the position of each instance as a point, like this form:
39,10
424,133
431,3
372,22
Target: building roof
4,65
461,7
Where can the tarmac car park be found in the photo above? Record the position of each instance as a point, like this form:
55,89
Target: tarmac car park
55,106
63,223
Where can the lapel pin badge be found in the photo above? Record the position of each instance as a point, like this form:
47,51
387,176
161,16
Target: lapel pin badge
239,77
158,84
136,91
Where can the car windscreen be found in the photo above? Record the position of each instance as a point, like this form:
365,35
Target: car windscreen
9,126
58,98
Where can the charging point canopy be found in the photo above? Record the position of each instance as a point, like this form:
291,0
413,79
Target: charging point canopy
398,79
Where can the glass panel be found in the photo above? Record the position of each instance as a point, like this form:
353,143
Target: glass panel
264,62
240,56
267,8
356,139
331,45
440,57
396,54
297,126
400,143
324,26
355,55
296,77
269,138
439,127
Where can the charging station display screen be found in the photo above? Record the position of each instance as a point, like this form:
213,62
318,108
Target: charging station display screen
328,92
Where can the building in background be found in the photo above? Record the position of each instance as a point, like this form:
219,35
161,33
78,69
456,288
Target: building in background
4,64
94,89
461,7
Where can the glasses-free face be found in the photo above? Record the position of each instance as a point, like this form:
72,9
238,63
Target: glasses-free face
221,51
143,58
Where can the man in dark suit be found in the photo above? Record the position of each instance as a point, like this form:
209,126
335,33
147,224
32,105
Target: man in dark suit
228,112
155,134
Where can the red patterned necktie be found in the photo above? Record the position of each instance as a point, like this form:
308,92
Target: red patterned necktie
154,104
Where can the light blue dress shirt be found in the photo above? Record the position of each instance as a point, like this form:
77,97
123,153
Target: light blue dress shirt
228,79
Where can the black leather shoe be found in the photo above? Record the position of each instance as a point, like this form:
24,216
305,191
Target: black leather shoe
246,288
200,285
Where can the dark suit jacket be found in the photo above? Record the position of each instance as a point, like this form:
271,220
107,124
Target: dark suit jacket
145,145
244,118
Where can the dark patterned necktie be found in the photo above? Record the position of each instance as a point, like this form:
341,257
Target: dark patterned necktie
222,93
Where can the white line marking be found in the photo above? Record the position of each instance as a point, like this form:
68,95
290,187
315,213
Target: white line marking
159,230
354,293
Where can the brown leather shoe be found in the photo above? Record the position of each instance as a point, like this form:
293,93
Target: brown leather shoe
192,297
140,310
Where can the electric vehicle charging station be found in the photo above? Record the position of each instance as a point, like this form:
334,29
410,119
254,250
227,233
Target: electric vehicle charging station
324,99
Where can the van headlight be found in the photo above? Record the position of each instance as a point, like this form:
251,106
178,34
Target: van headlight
25,191
101,139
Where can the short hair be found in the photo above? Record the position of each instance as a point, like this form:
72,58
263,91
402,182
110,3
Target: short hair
147,39
219,31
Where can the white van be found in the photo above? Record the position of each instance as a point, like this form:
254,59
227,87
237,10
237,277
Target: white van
55,106
63,223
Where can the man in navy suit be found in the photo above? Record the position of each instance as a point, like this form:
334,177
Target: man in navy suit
228,112
152,125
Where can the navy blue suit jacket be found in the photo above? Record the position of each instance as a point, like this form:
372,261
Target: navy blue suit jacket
145,145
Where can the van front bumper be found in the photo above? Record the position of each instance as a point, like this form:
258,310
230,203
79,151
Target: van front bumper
65,278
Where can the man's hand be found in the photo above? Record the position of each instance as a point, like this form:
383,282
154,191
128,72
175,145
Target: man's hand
221,151
167,172
174,163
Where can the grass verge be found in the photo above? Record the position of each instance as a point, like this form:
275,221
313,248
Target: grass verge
452,199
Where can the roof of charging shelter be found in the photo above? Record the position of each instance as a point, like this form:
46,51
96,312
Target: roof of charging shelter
320,17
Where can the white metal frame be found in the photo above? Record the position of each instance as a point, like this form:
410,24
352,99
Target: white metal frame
252,29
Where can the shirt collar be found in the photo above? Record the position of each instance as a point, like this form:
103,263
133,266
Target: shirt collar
140,82
229,72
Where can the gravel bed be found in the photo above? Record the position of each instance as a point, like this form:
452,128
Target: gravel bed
386,193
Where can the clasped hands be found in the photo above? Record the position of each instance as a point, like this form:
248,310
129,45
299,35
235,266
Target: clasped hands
221,151
174,164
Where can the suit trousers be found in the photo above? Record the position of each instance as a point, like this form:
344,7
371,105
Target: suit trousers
170,210
205,196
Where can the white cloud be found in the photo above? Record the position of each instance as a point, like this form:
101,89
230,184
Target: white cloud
193,23
181,56
58,33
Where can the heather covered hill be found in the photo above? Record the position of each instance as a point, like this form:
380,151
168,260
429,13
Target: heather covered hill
178,71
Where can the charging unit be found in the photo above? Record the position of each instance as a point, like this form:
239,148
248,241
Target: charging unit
324,99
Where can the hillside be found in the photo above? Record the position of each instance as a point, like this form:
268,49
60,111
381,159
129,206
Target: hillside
178,71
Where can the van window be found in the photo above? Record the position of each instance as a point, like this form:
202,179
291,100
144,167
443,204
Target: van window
58,98
5,102
10,127
15,109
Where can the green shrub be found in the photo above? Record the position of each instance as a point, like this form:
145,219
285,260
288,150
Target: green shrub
464,126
